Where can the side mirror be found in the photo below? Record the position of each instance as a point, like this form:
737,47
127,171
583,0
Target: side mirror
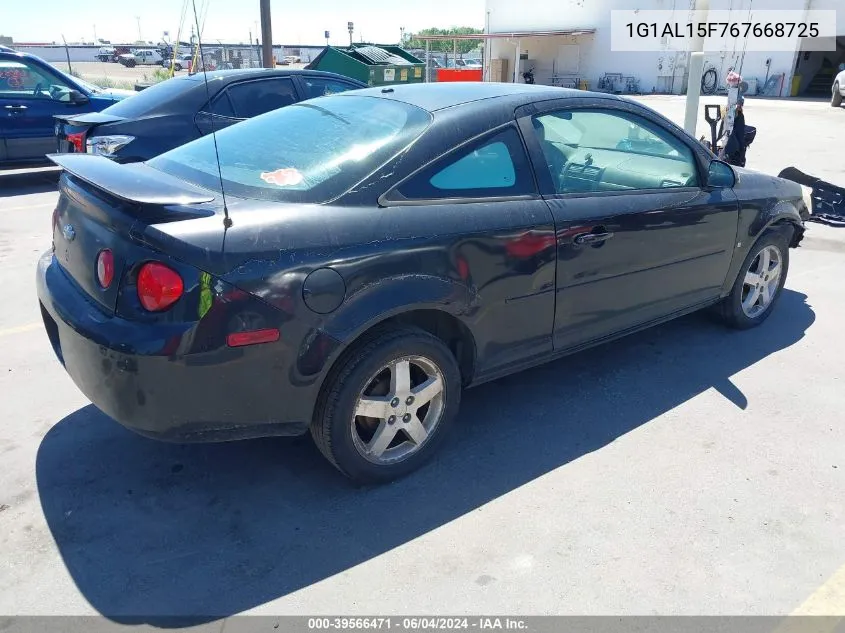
841,67
77,97
720,175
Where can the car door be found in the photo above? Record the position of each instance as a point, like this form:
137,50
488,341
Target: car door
29,97
485,192
639,238
244,100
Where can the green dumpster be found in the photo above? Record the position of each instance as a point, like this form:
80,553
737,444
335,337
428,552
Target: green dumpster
374,64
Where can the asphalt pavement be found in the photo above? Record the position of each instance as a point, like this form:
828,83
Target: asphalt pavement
688,469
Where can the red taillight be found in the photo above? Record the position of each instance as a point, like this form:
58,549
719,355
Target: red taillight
105,268
77,139
159,287
239,339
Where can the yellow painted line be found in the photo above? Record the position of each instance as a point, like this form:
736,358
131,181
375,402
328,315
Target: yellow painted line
829,599
20,329
827,603
43,206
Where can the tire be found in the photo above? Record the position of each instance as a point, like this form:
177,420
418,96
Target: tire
349,441
177,67
130,63
731,308
836,98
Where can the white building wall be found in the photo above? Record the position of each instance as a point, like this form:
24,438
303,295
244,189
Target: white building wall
597,56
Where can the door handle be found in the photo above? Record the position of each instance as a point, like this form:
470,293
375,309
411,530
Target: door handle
15,107
590,239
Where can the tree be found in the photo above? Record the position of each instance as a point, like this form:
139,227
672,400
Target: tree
446,46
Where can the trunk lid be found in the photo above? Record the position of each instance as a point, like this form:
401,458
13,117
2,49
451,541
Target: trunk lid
103,205
78,124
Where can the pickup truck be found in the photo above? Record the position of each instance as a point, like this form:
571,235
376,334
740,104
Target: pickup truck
141,57
32,93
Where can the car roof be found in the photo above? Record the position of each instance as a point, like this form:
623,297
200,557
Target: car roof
438,96
241,73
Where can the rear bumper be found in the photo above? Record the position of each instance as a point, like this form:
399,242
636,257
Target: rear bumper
135,373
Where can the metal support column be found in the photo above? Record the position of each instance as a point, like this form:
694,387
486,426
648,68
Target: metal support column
696,65
267,58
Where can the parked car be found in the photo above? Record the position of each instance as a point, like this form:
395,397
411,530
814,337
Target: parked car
141,57
379,250
181,109
838,89
32,92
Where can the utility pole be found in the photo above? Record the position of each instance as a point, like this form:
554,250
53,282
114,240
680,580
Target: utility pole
696,65
138,20
266,36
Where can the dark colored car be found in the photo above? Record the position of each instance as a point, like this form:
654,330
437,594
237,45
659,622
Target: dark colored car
367,255
32,92
182,109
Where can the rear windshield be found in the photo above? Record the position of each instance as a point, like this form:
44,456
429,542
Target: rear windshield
309,152
141,103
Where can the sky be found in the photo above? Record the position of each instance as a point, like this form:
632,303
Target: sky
294,21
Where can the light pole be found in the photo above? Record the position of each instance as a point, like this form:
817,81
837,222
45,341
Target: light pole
138,20
402,36
266,36
351,28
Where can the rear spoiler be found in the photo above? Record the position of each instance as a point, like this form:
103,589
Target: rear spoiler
133,182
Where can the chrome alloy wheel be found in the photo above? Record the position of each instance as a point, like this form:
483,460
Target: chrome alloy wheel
761,281
398,410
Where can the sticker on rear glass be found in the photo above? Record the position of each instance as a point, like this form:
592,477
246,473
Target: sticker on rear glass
283,177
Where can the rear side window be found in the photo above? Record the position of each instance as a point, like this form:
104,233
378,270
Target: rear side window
222,106
494,166
320,87
251,98
309,152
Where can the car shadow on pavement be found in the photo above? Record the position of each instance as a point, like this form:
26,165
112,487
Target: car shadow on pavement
23,182
150,530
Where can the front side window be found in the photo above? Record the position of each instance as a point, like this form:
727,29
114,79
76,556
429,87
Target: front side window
20,79
251,98
495,166
605,150
309,152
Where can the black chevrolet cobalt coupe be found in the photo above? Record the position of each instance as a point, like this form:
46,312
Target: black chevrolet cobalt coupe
354,261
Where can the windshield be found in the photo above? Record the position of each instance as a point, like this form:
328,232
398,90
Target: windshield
310,152
89,87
